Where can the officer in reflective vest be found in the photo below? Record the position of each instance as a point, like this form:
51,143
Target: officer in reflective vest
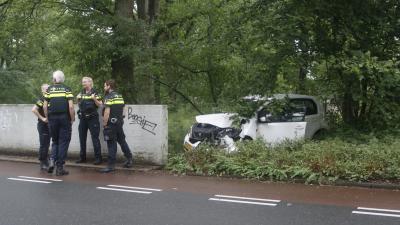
43,130
89,101
113,121
59,109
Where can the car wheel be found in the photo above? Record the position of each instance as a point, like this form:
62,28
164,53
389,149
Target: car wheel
247,138
320,135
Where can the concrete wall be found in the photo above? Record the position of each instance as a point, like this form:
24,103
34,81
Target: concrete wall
146,130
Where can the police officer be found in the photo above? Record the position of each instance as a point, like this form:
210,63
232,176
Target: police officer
59,109
43,129
113,122
89,101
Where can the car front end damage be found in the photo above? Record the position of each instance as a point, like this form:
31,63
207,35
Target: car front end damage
215,129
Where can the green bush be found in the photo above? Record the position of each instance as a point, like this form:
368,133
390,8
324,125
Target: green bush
310,161
179,122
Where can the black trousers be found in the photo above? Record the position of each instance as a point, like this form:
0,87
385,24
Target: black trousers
118,136
93,125
44,140
60,130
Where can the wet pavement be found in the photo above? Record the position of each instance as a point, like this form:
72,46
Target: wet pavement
29,196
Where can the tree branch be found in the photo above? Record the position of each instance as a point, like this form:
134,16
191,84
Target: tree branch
178,92
4,3
190,69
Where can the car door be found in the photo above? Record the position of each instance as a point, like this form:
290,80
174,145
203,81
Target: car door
312,117
276,132
274,129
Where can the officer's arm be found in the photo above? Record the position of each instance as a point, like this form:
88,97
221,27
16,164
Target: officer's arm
78,98
71,110
124,112
35,111
45,108
97,100
106,116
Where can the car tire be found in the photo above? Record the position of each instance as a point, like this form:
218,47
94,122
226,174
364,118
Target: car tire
320,135
247,138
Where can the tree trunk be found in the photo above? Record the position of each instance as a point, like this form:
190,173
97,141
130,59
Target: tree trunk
122,64
150,91
301,88
143,9
348,109
210,65
154,10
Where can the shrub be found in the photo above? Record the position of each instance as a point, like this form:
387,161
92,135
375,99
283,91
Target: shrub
311,161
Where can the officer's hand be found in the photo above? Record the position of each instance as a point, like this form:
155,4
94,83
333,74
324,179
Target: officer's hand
93,96
45,120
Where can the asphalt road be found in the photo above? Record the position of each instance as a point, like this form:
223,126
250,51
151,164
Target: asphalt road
28,196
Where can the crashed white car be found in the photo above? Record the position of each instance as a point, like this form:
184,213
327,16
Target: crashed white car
305,119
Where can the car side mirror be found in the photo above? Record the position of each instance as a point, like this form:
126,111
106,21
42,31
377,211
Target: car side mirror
264,118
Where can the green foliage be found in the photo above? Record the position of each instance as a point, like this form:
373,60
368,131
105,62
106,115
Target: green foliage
213,53
311,161
179,122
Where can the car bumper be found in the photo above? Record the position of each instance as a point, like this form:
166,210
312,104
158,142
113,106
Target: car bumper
189,146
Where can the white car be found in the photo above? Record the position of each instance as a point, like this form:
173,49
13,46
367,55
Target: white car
304,119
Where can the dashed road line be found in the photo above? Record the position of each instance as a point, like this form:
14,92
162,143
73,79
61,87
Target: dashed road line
377,212
239,201
137,188
124,190
245,200
377,209
27,180
40,178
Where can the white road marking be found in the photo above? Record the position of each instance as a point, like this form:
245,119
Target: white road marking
245,198
376,214
379,210
124,190
244,202
33,181
39,178
138,188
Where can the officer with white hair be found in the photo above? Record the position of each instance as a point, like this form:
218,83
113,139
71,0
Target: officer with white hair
59,109
88,101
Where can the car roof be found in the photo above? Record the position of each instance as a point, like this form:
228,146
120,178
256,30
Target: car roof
293,96
278,96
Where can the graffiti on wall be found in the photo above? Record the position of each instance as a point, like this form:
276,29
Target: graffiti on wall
7,119
141,120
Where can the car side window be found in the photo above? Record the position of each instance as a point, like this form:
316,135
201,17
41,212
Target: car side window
311,107
293,112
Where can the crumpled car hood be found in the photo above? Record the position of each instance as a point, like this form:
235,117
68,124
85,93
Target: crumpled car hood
222,120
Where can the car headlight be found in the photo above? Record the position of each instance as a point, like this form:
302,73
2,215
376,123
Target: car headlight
190,131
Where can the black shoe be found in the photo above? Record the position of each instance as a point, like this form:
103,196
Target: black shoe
80,161
128,163
107,170
98,162
50,169
61,172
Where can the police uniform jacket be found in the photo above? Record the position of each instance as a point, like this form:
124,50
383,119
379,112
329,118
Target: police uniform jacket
116,103
39,104
57,96
86,104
